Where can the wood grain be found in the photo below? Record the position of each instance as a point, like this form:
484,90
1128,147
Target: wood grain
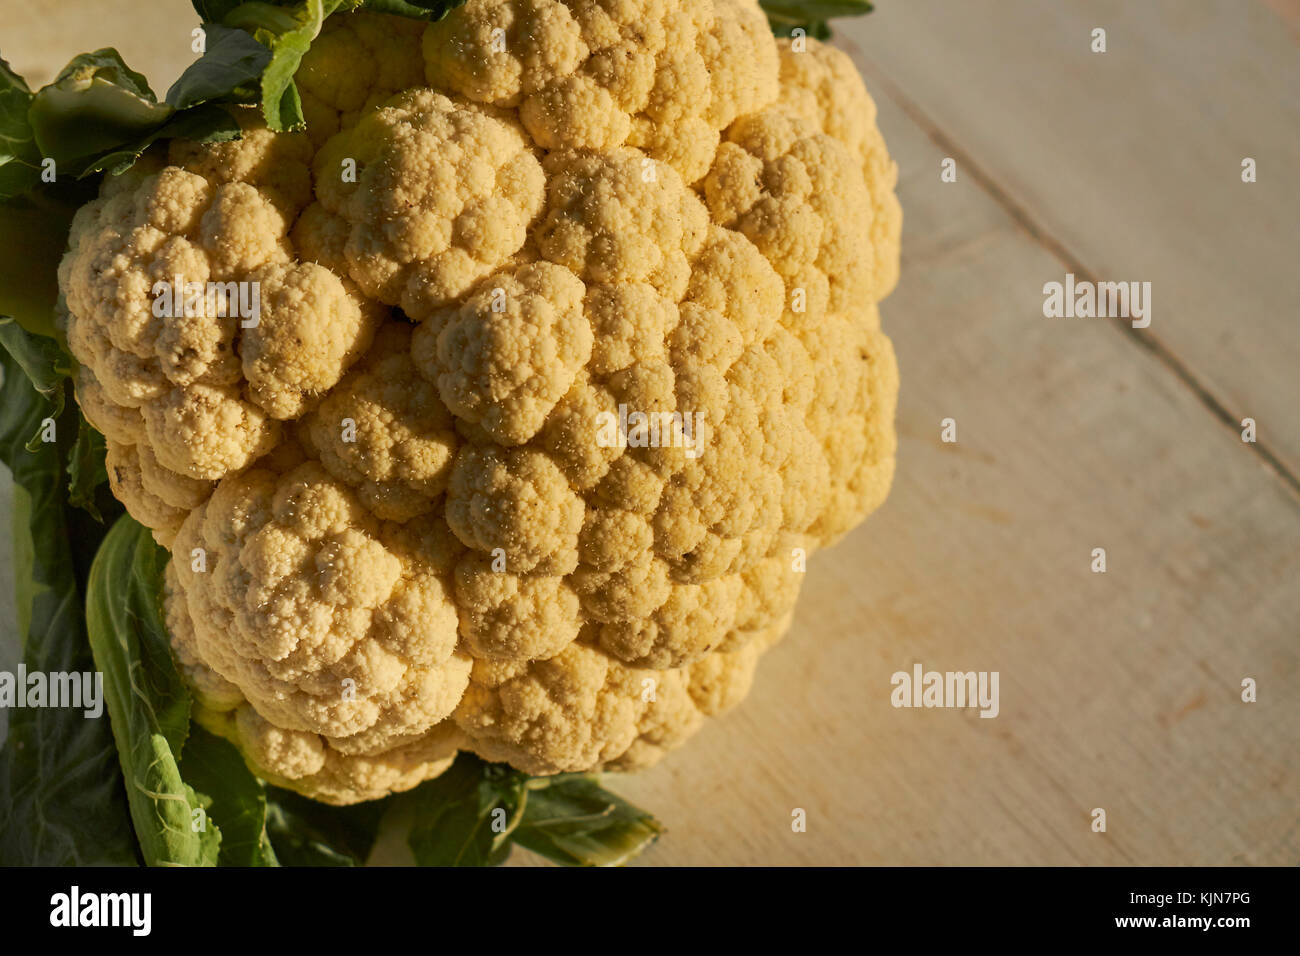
1129,163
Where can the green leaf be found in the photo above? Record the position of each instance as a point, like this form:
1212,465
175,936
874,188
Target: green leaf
417,9
33,235
573,820
100,115
784,16
147,700
288,30
236,800
268,20
86,471
289,33
286,113
214,11
307,833
45,365
20,160
475,811
465,816
207,123
96,104
817,9
61,796
26,585
785,26
232,60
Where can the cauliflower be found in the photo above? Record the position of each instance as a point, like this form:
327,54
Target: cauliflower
190,393
569,354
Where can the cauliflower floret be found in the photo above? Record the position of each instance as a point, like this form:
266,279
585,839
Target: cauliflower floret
516,501
156,497
861,460
118,423
196,329
822,85
385,432
581,710
320,769
664,75
509,616
331,635
577,710
310,329
438,195
799,196
212,691
278,165
555,512
504,368
357,62
618,217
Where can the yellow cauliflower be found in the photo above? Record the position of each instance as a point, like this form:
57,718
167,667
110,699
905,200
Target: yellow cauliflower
184,373
569,355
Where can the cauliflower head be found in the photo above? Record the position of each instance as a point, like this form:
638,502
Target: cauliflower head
567,355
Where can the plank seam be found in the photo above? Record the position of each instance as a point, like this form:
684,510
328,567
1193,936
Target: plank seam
1054,247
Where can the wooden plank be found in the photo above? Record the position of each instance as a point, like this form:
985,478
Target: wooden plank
1131,161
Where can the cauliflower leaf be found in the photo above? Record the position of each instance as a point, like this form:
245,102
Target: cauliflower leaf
61,796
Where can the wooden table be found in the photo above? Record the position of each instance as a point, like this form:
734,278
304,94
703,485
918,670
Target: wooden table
1118,690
